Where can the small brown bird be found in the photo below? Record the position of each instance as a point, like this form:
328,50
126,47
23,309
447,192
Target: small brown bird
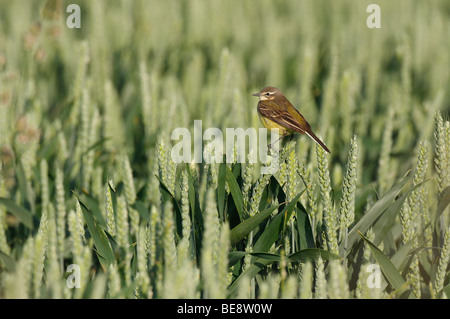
275,111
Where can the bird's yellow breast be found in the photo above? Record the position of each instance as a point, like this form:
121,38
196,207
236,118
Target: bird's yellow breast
270,125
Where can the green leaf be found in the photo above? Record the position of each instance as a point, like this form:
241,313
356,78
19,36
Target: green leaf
94,207
387,267
7,261
400,260
263,244
26,190
196,216
373,214
221,190
257,265
244,228
23,214
305,235
265,255
309,254
446,289
167,195
236,192
260,254
101,242
312,254
142,210
273,230
385,222
400,256
443,203
234,256
165,190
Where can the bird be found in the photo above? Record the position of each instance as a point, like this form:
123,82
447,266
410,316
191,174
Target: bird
276,112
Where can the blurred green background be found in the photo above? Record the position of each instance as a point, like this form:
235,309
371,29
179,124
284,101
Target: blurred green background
81,100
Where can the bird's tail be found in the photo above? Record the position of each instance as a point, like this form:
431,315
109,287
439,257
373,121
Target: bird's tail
318,141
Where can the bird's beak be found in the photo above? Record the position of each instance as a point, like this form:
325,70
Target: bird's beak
256,94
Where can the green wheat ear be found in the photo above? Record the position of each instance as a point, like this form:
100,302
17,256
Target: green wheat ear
257,193
442,153
347,204
444,260
122,225
320,286
185,208
292,182
247,177
110,218
127,178
60,211
329,215
143,279
75,235
338,281
417,196
306,283
4,247
38,263
210,242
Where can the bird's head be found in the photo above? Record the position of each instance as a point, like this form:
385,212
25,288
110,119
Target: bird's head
268,93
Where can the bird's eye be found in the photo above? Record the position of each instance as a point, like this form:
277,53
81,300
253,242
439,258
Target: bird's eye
267,94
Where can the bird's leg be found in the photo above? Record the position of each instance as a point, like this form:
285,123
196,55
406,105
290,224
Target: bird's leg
269,147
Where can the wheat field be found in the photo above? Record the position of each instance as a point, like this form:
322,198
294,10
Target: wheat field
92,204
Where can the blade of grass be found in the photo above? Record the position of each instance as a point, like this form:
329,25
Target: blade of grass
28,196
101,242
235,192
23,214
235,256
221,190
273,230
312,254
309,254
257,265
196,215
373,214
265,255
263,244
387,267
445,290
305,235
443,203
93,205
398,259
385,222
7,261
167,195
244,228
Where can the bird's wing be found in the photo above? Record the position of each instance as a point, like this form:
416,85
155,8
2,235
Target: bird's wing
280,115
288,116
